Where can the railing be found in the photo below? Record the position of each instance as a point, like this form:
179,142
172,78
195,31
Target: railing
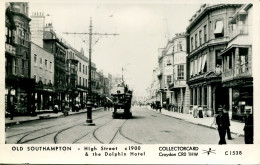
239,29
241,71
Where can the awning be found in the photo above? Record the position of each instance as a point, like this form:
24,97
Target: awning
191,68
199,64
219,27
204,61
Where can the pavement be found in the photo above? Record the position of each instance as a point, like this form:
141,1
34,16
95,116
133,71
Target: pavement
236,127
42,114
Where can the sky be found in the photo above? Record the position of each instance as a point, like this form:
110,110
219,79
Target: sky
143,28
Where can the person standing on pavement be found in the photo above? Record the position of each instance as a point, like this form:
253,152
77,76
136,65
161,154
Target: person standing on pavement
34,107
248,129
12,107
228,124
195,111
222,123
200,112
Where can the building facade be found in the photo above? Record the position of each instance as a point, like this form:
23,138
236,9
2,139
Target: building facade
207,37
179,88
165,75
18,83
237,62
42,71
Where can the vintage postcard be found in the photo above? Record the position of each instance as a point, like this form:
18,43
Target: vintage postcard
130,82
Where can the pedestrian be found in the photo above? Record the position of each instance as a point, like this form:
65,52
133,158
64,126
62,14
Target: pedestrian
105,106
222,123
195,111
66,109
12,107
56,108
228,124
34,107
200,112
248,129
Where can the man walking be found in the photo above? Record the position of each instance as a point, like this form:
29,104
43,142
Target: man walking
222,123
248,127
228,124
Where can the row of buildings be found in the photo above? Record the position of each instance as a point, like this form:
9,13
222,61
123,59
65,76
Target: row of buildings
41,67
210,64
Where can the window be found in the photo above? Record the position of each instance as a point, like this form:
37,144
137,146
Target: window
45,81
218,58
195,40
179,46
219,30
204,63
40,62
83,69
205,33
243,59
79,80
46,64
168,62
49,81
169,79
191,42
40,78
35,60
50,65
23,67
8,35
15,66
191,68
200,40
86,69
180,72
79,67
86,82
35,78
230,61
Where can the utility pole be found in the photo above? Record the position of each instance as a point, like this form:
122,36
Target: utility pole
89,120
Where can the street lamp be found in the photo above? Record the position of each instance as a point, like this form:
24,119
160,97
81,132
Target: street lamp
89,121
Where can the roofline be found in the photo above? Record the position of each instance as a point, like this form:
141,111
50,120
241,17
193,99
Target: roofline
206,11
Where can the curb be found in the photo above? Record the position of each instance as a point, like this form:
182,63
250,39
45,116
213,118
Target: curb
46,117
238,134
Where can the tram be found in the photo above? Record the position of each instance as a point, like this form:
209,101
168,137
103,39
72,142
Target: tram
122,98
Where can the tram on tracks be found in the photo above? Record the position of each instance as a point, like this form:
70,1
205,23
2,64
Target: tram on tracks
122,98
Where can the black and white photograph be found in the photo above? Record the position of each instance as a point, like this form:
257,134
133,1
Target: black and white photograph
114,78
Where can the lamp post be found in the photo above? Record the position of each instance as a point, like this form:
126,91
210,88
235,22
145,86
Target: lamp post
89,120
89,97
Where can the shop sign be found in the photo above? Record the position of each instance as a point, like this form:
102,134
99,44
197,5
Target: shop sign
10,48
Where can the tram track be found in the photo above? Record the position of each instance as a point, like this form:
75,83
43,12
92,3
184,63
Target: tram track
38,137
